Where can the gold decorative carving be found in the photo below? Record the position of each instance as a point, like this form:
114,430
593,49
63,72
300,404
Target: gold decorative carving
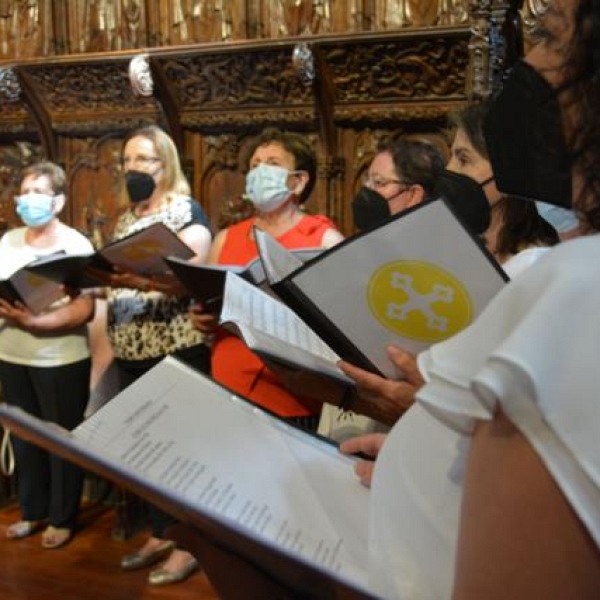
25,28
453,12
418,13
132,19
532,11
32,28
81,127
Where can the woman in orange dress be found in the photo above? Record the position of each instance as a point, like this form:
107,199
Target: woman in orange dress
281,175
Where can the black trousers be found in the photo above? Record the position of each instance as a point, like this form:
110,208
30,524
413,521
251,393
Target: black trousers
197,357
48,487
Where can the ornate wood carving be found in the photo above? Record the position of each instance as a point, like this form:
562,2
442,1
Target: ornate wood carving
378,66
400,70
206,83
94,183
88,98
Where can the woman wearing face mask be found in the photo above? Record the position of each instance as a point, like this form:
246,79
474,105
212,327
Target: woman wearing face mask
281,174
516,227
489,486
45,359
147,320
402,174
517,236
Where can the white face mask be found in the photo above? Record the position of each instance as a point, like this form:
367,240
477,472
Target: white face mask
266,186
562,219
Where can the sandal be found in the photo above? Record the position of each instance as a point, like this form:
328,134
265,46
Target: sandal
22,529
55,537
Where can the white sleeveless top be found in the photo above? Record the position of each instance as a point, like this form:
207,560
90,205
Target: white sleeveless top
535,350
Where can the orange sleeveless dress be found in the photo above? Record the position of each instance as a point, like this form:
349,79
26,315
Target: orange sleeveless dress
232,363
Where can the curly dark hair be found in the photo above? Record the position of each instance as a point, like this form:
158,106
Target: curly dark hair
294,143
581,91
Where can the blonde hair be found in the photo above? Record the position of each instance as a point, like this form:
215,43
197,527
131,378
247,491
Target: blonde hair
174,181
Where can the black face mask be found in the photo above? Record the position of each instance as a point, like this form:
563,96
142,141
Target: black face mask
467,198
525,139
369,208
140,186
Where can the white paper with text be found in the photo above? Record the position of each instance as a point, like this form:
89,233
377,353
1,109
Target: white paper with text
180,430
269,326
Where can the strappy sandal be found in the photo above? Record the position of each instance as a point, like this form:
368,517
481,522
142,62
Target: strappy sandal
55,537
22,529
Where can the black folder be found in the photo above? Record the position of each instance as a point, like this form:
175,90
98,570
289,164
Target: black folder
141,252
206,283
37,293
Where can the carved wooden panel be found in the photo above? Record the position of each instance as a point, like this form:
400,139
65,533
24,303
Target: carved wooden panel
94,183
88,98
407,78
15,120
237,89
40,28
380,66
26,28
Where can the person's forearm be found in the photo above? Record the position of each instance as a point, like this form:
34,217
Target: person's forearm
72,315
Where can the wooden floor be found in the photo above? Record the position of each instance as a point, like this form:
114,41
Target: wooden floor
87,568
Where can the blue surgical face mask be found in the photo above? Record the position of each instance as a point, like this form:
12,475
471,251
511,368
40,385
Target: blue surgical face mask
266,187
35,210
562,219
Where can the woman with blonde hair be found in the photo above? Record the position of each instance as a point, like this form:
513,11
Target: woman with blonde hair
148,319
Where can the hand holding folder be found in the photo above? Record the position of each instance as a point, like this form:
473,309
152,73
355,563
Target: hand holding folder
417,279
206,283
141,253
18,284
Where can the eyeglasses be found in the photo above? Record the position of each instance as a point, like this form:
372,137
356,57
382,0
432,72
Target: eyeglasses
379,182
141,160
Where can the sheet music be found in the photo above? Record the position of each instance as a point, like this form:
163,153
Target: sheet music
294,356
184,432
246,305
